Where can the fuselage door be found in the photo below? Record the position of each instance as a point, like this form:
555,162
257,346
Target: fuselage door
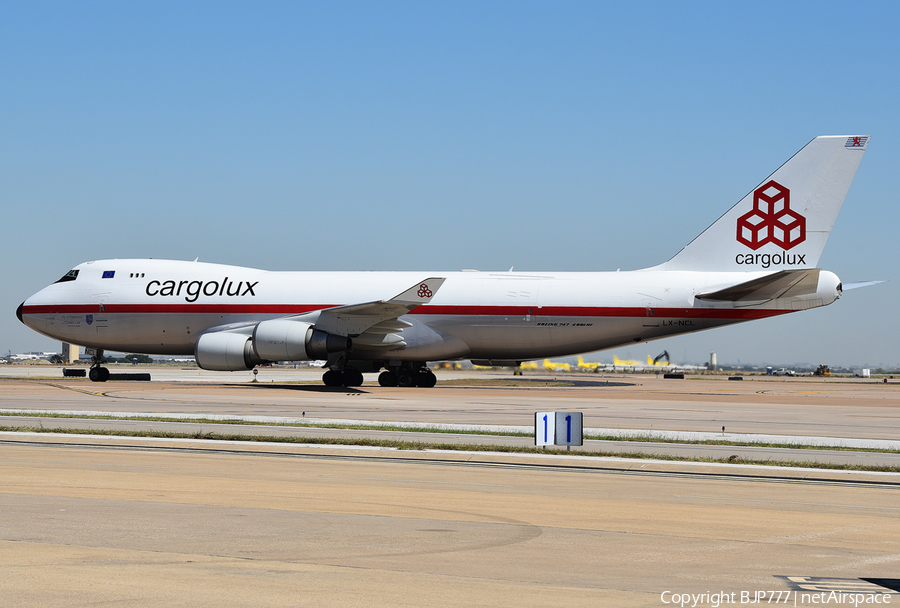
650,304
101,315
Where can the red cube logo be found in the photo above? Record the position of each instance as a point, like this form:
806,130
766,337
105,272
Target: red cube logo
772,220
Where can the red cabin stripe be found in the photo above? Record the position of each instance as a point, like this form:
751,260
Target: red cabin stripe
491,311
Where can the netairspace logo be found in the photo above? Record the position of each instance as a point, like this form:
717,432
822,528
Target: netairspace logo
789,598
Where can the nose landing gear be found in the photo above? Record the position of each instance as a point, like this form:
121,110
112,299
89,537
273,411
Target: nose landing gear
98,373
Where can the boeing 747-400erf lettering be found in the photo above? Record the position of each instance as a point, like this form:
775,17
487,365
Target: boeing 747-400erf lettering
758,260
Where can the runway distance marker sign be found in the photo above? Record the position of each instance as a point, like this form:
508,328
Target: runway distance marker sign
558,428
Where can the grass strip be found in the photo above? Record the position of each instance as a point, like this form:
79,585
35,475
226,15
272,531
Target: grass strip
421,445
643,438
315,425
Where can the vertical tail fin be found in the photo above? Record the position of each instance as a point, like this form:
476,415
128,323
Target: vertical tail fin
785,222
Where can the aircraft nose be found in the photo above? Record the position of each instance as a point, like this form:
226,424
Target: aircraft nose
19,311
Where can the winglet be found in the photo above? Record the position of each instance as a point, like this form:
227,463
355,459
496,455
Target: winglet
420,293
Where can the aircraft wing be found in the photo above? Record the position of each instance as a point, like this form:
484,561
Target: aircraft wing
379,318
785,283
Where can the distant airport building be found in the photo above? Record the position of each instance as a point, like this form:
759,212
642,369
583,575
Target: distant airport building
70,352
712,361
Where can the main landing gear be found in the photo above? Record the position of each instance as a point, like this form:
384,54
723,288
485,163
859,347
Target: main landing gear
402,375
348,377
408,376
98,373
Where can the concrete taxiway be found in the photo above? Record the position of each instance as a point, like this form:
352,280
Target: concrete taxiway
336,435
788,411
136,522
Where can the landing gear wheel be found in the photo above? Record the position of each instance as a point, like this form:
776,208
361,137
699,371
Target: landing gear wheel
387,379
405,378
98,374
351,377
425,378
331,378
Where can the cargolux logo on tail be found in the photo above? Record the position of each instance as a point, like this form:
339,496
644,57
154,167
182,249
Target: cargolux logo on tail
771,221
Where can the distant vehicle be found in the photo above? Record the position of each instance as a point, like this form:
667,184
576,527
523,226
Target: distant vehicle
781,371
657,361
822,370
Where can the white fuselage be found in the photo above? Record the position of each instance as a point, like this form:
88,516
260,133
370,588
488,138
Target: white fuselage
163,306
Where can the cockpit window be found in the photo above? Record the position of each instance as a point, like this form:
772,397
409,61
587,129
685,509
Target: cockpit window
69,276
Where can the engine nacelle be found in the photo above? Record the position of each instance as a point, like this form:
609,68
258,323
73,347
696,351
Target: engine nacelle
286,340
224,351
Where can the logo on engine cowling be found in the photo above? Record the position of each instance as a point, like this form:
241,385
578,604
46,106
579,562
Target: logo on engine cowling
771,220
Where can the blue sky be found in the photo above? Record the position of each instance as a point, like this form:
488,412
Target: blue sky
444,135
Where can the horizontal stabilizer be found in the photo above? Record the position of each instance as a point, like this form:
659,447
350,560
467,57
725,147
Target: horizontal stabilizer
785,283
858,284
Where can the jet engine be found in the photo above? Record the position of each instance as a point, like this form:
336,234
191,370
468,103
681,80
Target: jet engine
286,340
275,340
225,351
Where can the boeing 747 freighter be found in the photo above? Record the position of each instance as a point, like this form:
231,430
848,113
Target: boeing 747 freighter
758,260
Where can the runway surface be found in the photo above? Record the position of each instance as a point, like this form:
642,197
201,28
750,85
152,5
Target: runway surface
137,522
